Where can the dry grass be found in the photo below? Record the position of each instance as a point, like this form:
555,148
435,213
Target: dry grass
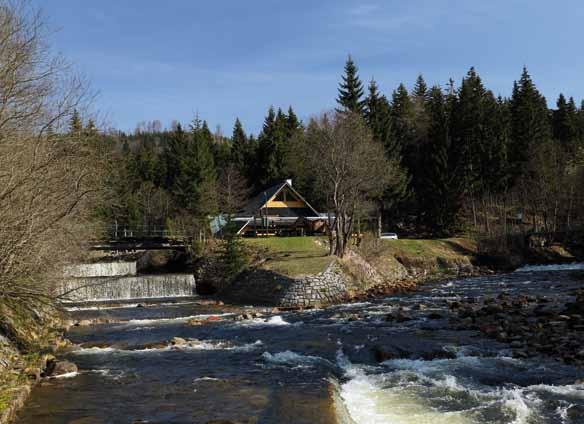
423,249
292,256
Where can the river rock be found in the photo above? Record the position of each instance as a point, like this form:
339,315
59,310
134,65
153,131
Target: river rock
57,368
178,341
33,373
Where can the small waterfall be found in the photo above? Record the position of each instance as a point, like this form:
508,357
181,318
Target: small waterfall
126,288
103,269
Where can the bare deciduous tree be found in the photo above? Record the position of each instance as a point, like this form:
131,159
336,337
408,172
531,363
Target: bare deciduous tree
47,177
349,167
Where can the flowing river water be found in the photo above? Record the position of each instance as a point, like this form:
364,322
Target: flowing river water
314,366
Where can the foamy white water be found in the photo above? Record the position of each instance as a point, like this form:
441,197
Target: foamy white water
292,358
178,319
274,321
558,267
428,392
193,345
121,306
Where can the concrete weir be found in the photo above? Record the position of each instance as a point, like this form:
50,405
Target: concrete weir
126,288
105,269
121,281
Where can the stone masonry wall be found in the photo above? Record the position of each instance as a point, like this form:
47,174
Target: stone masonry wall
262,287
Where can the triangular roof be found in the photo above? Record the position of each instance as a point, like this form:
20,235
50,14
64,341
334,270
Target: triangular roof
260,200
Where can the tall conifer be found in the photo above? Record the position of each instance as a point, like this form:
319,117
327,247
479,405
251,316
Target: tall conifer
440,204
530,125
378,118
239,148
350,98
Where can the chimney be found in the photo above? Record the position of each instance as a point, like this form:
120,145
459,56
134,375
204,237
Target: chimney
289,181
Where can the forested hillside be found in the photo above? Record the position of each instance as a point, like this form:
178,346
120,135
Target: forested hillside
462,158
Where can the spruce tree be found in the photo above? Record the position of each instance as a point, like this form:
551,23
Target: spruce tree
468,135
402,119
440,204
565,123
90,129
378,118
350,90
293,124
281,138
530,126
239,148
174,152
420,89
493,164
201,172
266,162
75,124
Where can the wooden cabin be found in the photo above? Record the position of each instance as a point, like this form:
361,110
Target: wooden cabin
279,211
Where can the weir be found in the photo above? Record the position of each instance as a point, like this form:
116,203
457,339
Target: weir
127,288
101,269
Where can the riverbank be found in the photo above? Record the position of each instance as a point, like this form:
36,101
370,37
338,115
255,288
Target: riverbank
297,272
29,336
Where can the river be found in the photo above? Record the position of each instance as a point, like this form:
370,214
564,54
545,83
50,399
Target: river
291,367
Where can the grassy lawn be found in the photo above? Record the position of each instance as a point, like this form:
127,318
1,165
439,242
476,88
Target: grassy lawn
292,256
450,247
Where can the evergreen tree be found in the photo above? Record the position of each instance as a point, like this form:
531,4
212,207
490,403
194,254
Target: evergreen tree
272,149
530,125
565,123
293,124
75,124
239,148
266,162
201,171
420,89
378,118
402,119
580,125
494,165
174,153
469,139
90,129
440,203
350,90
281,138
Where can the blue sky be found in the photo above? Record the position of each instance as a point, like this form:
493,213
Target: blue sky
165,60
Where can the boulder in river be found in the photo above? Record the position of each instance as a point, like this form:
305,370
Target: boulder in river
57,368
178,341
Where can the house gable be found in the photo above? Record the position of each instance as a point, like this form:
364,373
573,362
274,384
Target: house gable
278,208
285,198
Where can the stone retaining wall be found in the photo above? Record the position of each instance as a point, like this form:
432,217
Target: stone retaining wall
262,287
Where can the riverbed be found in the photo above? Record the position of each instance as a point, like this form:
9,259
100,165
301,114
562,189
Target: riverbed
340,364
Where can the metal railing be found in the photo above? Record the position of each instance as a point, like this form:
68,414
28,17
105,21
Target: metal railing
144,232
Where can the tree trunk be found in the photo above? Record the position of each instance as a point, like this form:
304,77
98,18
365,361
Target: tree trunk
379,219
